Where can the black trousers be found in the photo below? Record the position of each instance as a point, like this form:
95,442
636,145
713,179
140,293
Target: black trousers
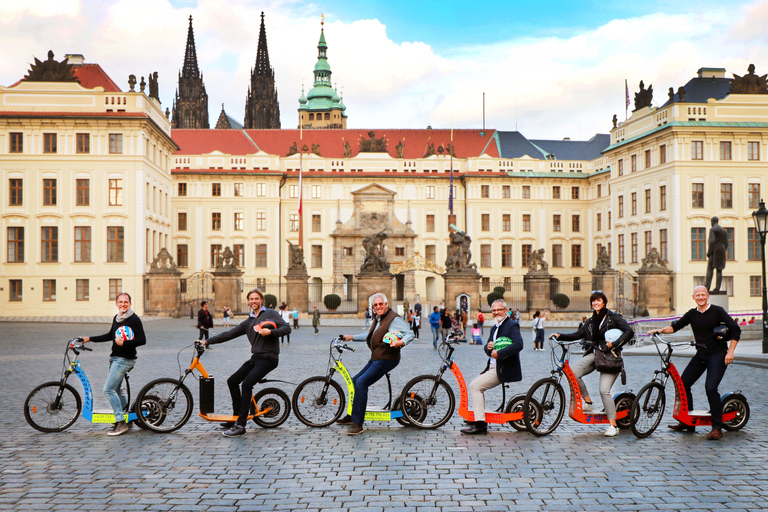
252,371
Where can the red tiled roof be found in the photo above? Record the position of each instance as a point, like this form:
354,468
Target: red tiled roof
90,76
28,113
468,143
203,142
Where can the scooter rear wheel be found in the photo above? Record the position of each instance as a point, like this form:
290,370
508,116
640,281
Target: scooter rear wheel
738,403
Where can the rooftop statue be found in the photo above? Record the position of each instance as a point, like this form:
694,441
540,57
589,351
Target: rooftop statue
373,145
51,71
644,97
749,83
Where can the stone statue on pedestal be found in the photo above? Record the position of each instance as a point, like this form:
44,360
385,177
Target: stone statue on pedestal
296,264
459,254
536,264
375,261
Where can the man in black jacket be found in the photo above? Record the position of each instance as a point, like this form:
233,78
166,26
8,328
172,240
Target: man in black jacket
265,349
204,320
503,364
712,355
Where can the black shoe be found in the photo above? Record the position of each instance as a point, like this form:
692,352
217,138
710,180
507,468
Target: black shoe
227,424
467,422
346,420
478,428
236,430
682,427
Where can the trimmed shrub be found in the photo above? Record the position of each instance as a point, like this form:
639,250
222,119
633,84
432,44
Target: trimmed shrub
499,289
494,296
561,300
270,301
332,301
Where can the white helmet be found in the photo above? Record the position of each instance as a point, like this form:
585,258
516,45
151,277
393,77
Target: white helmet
612,335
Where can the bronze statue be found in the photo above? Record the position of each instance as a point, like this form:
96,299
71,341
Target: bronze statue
615,120
536,262
51,70
296,263
749,83
293,149
603,259
430,149
375,261
644,97
716,254
459,253
316,149
347,149
373,145
399,149
132,82
153,88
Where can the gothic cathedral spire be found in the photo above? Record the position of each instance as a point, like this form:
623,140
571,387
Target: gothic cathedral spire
261,107
190,107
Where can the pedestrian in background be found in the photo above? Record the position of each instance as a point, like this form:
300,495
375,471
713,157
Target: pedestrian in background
204,320
227,314
480,321
434,323
316,320
367,319
295,318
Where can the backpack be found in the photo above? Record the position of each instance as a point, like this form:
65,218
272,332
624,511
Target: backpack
480,318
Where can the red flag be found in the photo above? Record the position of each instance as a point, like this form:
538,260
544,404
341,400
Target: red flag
626,91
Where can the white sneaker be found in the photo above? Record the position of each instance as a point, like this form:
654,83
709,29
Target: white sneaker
587,407
612,431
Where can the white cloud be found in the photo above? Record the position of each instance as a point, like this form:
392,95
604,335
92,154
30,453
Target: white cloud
11,10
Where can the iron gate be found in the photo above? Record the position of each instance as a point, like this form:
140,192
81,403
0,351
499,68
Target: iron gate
197,288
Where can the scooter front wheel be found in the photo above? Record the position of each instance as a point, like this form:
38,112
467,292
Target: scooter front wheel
51,407
428,402
318,401
647,409
164,405
550,397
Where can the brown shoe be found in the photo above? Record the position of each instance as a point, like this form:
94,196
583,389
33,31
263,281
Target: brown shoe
715,434
355,429
682,427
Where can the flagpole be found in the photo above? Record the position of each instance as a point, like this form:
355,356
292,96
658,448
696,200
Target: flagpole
626,103
301,172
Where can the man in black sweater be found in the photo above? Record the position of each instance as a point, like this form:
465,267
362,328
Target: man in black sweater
265,349
122,359
712,355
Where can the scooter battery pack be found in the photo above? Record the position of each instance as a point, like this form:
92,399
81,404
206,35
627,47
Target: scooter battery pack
206,395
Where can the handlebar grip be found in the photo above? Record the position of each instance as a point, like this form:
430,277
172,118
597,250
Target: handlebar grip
86,348
349,348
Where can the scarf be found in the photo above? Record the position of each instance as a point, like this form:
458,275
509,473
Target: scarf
597,319
122,318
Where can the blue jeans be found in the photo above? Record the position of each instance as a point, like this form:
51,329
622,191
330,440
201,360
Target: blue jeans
118,367
435,335
714,365
366,378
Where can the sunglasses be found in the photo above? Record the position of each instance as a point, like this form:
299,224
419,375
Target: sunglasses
596,291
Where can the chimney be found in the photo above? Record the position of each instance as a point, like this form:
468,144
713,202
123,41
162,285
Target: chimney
76,59
711,72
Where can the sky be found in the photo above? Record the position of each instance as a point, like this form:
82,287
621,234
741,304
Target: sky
548,69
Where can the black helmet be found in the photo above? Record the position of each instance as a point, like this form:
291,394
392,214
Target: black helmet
722,333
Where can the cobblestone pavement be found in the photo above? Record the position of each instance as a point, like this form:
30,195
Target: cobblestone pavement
389,467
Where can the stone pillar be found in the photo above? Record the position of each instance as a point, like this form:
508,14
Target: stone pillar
654,290
226,288
459,283
605,280
298,291
369,283
164,293
537,291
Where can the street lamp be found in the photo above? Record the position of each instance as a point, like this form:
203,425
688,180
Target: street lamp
760,216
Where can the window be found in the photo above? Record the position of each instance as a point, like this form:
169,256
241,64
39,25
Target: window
16,186
316,224
663,244
647,200
17,142
116,288
755,286
555,192
698,244
49,289
400,251
82,192
115,243
633,197
526,222
348,251
215,254
485,222
430,223
50,244
485,191
15,245
115,143
182,189
238,188
485,282
261,255
621,167
621,248
525,259
621,206
647,158
182,221
556,222
663,197
754,251
526,191
505,192
485,255
293,222
49,143
648,239
726,195
238,251
753,150
506,222
575,192
725,150
430,192
697,150
317,256
599,190
216,221
599,221
83,289
634,163
182,255
729,253
317,191
506,255
261,221
239,221
753,195
557,255
697,195
49,192
430,254
293,191
575,223
83,143
576,256
216,189
633,249
14,290
116,192
82,243
728,282
261,190
663,154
